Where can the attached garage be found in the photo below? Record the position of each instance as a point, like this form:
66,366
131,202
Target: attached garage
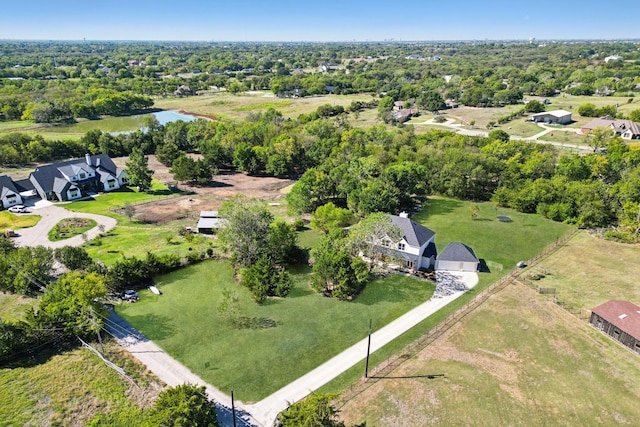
457,257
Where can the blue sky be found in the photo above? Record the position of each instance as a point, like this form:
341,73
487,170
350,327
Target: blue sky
324,20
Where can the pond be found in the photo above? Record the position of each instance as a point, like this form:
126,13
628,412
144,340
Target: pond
118,125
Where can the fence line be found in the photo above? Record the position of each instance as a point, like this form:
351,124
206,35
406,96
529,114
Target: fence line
384,368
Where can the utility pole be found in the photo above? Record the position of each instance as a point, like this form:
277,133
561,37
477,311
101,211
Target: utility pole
366,365
233,409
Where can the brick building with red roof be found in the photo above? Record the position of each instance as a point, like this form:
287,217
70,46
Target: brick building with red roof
620,320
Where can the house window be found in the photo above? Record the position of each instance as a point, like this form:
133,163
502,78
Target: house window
125,179
401,246
83,176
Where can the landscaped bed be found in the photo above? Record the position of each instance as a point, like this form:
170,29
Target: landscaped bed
269,345
70,227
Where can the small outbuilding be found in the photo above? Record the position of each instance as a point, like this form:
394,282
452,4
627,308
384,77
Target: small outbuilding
457,257
209,222
561,117
620,320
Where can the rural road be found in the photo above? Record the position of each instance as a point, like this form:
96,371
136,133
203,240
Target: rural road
51,215
264,413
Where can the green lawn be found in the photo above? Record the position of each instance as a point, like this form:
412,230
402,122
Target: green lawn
565,137
106,203
282,340
15,222
500,244
68,228
137,240
520,127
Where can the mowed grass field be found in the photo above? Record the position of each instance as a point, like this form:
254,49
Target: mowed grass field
14,222
276,342
517,360
588,271
228,106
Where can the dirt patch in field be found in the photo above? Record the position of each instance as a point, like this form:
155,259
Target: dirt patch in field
224,186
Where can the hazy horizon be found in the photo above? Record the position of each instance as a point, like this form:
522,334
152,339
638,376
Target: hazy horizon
329,21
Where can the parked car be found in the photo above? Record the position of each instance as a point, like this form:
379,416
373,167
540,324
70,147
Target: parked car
18,209
130,295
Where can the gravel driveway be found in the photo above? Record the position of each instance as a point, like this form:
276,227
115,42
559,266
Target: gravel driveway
51,215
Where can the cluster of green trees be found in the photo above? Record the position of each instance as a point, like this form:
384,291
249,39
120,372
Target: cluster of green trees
73,80
260,246
183,405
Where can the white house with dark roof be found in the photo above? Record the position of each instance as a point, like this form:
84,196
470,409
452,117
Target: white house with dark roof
416,248
562,117
9,194
457,257
69,180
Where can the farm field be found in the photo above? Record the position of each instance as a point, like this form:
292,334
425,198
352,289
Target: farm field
611,274
269,345
515,360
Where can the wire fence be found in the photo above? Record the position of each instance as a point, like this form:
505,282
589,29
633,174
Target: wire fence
385,368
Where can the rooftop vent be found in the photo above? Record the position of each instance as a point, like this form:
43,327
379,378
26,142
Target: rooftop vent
622,316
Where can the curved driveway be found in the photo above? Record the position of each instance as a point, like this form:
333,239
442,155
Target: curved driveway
51,215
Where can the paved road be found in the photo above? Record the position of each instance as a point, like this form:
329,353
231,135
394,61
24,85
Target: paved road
51,215
263,413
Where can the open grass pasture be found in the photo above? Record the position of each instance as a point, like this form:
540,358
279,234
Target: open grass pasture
269,345
588,271
481,116
521,127
71,388
516,360
237,107
14,222
565,138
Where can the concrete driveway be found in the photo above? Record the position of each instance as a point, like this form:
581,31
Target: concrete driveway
51,215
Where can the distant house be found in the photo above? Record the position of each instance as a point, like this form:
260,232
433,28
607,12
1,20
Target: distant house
625,128
457,257
416,249
557,116
9,193
209,222
69,180
613,58
620,320
450,103
398,105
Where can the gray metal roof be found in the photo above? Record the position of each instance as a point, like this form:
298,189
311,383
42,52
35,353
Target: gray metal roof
415,234
456,251
212,223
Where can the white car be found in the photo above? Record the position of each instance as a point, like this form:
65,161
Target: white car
130,295
18,209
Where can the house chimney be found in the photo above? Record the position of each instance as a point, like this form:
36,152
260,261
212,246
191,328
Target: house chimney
403,215
87,158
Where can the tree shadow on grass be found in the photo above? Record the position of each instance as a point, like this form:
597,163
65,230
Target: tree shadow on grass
155,326
246,322
437,207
